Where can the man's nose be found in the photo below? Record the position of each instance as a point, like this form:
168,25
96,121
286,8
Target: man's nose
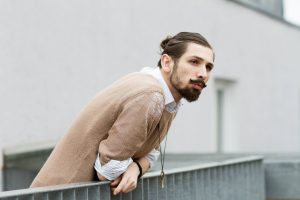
202,73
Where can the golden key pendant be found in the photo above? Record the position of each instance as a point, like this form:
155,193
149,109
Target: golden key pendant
162,179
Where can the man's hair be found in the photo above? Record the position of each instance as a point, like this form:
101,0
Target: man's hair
176,46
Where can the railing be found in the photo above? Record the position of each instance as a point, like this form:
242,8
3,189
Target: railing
239,178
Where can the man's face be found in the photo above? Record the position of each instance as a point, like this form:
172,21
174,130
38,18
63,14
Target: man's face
191,71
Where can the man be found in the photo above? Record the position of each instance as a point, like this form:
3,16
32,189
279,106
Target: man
116,136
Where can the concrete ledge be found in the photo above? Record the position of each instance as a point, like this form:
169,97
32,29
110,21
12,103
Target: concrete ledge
282,176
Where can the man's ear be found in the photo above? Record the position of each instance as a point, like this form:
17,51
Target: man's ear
166,63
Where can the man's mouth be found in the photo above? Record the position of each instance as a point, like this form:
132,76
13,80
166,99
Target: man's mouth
198,84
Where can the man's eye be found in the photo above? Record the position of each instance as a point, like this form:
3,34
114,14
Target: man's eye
209,68
194,61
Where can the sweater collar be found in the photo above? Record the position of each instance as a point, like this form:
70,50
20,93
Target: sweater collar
170,104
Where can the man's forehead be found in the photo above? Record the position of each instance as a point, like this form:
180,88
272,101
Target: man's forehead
197,50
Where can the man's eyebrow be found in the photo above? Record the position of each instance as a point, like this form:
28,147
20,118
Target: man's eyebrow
199,58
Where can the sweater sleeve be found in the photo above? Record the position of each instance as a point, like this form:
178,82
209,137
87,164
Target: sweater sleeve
129,131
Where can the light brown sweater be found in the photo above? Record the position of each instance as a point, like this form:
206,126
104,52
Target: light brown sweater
122,121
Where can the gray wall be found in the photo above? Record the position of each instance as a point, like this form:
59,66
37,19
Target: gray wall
56,55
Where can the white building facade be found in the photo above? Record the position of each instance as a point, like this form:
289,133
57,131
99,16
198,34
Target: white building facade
56,55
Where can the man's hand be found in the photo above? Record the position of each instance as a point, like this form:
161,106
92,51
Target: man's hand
114,184
100,177
128,181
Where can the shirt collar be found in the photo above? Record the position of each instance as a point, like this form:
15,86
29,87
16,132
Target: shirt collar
171,105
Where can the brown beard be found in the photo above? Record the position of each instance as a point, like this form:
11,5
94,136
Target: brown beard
190,94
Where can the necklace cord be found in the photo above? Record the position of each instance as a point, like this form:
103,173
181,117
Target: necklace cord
162,161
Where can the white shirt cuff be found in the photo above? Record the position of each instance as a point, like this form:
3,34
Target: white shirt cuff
113,169
152,157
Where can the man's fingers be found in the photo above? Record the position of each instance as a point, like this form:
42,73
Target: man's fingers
130,185
113,189
115,182
120,186
100,177
126,185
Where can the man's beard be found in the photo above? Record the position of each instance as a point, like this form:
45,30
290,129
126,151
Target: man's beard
190,94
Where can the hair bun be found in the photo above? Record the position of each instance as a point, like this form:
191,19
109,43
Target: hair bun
165,42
